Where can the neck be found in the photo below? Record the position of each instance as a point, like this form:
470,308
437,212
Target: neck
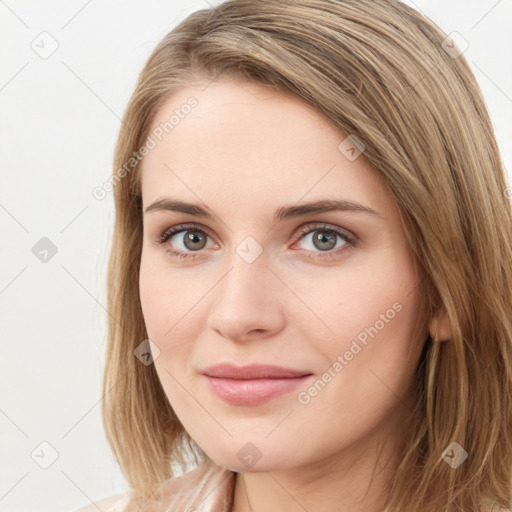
351,480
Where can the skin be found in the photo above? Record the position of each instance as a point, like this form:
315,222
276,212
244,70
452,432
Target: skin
244,151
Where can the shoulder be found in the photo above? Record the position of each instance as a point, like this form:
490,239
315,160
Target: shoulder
111,504
208,487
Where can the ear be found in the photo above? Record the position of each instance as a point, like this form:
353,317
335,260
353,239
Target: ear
440,326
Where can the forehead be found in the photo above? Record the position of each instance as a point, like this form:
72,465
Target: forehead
247,140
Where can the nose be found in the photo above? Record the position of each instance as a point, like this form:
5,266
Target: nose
248,302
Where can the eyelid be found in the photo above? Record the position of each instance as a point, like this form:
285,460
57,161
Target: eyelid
179,228
308,227
300,233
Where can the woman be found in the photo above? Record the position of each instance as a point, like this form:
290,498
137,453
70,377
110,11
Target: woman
310,282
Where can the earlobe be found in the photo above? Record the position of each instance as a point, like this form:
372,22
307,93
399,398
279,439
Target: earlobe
440,327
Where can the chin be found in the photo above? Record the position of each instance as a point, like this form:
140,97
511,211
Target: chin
254,456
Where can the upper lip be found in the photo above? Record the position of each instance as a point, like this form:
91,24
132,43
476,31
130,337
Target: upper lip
253,371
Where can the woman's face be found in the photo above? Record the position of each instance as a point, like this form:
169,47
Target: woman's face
255,277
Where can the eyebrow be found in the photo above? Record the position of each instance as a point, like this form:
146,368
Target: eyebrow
284,212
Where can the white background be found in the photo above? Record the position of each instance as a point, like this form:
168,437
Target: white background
59,120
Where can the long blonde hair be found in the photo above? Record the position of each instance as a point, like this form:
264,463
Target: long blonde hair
382,72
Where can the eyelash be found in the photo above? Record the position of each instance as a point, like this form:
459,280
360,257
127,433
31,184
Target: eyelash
351,242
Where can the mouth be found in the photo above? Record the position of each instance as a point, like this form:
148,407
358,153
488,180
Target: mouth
253,384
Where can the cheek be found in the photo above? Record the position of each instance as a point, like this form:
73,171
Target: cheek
167,325
171,308
360,305
371,318
162,296
152,300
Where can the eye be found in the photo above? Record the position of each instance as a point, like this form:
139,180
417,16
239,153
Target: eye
326,239
320,238
191,237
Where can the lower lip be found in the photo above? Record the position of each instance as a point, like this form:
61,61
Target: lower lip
252,391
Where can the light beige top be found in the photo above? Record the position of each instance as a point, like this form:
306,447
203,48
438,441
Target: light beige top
207,488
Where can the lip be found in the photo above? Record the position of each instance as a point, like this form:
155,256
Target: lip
254,384
253,371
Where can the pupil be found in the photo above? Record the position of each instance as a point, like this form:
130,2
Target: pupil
193,237
324,241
